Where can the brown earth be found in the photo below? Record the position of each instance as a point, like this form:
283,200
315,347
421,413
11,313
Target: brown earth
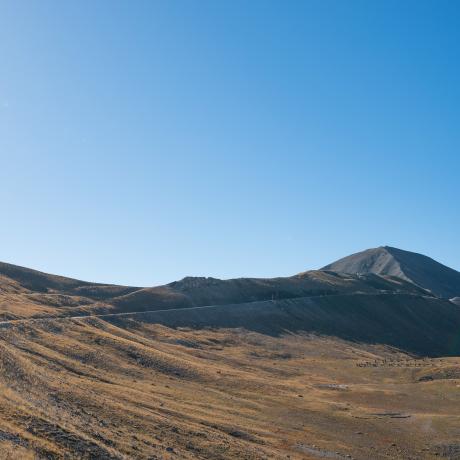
317,365
26,293
85,388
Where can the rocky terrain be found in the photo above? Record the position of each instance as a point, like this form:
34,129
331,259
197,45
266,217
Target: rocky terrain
86,388
415,268
323,364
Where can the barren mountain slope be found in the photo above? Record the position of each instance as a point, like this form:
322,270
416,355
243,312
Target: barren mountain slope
318,365
193,291
417,268
29,293
36,281
89,389
424,325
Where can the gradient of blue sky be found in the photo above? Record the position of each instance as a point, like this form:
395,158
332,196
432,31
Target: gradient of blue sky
142,141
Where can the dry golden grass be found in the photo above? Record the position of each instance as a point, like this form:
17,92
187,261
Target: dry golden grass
88,389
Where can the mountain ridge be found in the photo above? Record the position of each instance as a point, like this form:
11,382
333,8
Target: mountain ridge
387,307
29,293
416,268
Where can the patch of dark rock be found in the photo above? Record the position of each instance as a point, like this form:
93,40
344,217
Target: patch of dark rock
444,374
426,378
450,451
240,434
5,436
391,415
187,343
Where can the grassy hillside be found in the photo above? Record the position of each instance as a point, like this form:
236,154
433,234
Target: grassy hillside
91,390
29,293
423,325
318,365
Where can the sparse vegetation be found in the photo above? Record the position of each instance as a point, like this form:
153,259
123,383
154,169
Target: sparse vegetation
333,366
90,389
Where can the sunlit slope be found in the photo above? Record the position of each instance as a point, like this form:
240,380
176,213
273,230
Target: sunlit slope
29,293
88,389
416,268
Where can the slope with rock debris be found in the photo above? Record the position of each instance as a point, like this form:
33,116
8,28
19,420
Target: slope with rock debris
410,266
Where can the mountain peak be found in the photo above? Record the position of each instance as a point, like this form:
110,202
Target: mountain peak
410,266
375,260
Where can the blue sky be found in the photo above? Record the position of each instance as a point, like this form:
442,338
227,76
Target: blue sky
144,141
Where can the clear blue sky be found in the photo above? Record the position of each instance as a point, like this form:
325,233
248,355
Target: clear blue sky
142,141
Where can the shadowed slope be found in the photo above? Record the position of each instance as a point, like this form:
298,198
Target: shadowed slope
299,367
194,292
30,293
417,268
39,282
423,325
